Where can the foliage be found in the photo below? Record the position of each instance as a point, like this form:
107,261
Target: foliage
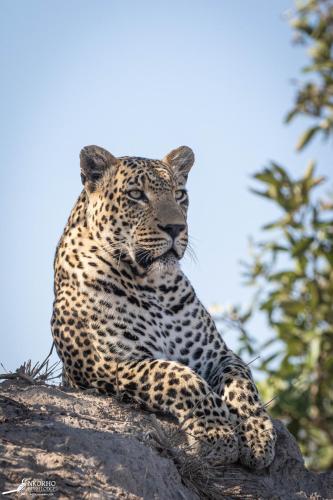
313,24
293,270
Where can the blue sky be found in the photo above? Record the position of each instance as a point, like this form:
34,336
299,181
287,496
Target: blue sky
139,78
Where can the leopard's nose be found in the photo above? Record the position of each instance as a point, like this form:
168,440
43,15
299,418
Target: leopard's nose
172,230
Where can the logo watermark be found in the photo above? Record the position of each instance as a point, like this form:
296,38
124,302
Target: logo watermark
34,487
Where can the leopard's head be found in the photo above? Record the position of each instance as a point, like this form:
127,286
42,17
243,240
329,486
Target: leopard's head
137,207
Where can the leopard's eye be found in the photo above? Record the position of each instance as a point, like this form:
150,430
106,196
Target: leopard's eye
180,194
136,194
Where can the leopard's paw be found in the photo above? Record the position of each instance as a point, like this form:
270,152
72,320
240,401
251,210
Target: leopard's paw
257,437
217,443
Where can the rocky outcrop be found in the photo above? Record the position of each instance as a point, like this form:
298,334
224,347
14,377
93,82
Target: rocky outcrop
72,444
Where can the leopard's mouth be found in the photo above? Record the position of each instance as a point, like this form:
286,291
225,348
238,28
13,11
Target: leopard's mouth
145,259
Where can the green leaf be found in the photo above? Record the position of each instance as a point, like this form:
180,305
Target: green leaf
308,174
265,176
293,307
301,246
271,225
280,170
264,194
306,137
291,115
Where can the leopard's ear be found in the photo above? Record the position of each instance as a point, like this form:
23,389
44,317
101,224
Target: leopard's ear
181,160
94,161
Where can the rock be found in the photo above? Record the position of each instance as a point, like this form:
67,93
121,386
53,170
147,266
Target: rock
93,446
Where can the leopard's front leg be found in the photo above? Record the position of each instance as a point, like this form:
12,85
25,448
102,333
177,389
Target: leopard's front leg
170,387
234,383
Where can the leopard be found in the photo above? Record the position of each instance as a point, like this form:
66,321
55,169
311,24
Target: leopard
127,321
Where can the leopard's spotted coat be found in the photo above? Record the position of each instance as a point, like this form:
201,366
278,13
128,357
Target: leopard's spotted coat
126,318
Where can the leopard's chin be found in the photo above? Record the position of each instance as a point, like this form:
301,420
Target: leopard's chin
166,264
145,259
169,258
